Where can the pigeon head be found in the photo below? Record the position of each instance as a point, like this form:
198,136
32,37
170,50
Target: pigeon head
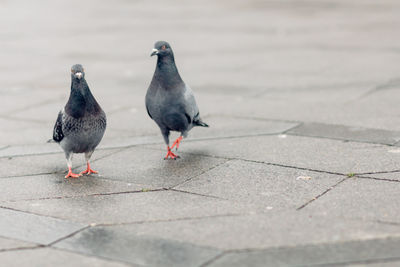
77,72
162,49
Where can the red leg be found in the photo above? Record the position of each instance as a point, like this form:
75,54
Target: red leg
88,170
71,174
177,142
170,154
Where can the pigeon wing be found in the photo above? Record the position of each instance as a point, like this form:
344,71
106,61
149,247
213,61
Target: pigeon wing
58,134
191,109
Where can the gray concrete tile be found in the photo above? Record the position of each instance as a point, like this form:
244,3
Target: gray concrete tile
134,207
27,150
21,96
280,60
147,167
34,228
46,113
56,186
377,263
47,163
227,126
53,257
15,132
360,198
347,133
220,126
395,176
258,231
114,139
137,249
325,254
7,243
269,187
302,152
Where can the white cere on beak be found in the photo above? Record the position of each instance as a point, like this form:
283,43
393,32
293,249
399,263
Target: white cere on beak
78,75
154,51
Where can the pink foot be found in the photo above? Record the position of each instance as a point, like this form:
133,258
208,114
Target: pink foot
71,174
170,154
89,171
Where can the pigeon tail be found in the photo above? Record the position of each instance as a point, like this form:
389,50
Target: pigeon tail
200,123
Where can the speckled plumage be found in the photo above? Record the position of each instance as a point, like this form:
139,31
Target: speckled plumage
169,101
81,124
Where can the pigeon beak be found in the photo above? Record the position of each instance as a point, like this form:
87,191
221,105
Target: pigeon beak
154,52
78,75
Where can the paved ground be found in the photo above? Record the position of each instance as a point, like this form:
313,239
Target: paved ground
300,165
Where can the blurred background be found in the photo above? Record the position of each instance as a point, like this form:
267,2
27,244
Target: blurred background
331,61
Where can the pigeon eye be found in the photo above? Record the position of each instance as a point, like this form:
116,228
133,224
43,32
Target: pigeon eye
163,47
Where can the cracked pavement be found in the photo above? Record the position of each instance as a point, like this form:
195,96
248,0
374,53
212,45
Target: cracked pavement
300,165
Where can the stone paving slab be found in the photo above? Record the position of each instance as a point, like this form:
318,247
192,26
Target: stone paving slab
262,230
7,244
327,254
126,208
47,164
269,187
147,250
361,198
347,133
18,97
118,141
256,67
56,186
228,126
45,113
147,167
34,228
301,152
395,176
378,263
49,257
27,132
29,150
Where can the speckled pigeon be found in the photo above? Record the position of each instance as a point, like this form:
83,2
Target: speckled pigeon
80,126
169,101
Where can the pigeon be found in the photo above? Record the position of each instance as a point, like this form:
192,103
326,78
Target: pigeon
81,124
169,101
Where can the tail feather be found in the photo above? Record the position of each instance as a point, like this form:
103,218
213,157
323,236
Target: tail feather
200,123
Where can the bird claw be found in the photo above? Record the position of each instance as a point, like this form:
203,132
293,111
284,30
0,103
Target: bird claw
170,154
72,175
89,172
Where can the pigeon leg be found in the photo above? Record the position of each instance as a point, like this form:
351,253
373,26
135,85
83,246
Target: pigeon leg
170,154
69,163
88,170
177,142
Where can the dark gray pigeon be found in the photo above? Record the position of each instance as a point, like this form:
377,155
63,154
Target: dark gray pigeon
80,126
169,101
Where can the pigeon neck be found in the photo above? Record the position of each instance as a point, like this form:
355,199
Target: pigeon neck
166,71
81,100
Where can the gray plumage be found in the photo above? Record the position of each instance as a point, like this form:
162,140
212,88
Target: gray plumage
169,101
81,124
